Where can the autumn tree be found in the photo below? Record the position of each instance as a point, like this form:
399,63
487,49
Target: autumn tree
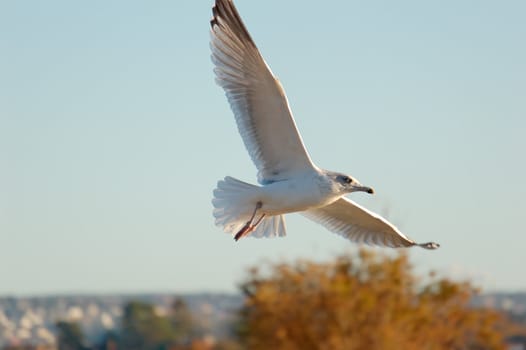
367,301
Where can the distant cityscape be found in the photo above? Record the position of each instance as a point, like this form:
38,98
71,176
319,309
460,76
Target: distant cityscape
32,320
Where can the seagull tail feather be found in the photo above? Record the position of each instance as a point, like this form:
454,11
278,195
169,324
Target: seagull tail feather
234,202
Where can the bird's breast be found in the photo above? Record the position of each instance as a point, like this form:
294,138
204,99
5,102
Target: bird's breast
295,195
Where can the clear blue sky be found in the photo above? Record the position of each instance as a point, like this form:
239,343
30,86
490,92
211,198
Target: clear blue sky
113,135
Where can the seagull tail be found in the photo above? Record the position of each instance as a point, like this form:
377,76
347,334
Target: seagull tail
234,202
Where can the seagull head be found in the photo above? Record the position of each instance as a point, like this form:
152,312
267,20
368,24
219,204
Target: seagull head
347,184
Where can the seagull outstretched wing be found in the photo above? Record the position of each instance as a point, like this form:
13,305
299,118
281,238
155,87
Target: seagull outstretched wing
360,225
256,97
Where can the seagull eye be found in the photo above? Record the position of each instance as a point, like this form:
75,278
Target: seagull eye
345,179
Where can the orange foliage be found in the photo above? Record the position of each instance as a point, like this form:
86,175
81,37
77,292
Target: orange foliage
373,302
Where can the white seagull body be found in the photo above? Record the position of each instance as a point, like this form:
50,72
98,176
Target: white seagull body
290,182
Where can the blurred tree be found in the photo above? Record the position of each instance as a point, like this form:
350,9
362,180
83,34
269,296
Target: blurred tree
70,336
228,344
109,341
368,302
144,329
182,321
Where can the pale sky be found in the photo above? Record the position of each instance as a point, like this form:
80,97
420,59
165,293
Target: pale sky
113,136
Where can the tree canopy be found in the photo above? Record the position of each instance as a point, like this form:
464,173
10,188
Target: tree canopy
367,301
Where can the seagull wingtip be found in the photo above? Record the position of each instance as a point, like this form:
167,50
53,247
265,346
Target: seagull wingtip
429,245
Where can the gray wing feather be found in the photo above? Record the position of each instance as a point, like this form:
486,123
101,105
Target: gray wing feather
360,225
256,97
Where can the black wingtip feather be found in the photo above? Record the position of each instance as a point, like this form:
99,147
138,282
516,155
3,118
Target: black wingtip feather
213,21
226,10
429,245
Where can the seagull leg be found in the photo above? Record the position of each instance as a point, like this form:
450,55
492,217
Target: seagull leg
248,228
245,230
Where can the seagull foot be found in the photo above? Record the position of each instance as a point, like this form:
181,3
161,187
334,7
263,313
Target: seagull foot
429,245
245,230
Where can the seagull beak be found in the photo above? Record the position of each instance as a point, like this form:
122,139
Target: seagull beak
362,188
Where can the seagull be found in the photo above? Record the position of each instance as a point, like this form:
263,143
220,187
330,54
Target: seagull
289,180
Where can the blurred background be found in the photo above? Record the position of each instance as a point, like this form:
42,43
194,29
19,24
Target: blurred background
113,136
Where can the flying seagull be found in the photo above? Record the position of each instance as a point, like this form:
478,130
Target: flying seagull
290,181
